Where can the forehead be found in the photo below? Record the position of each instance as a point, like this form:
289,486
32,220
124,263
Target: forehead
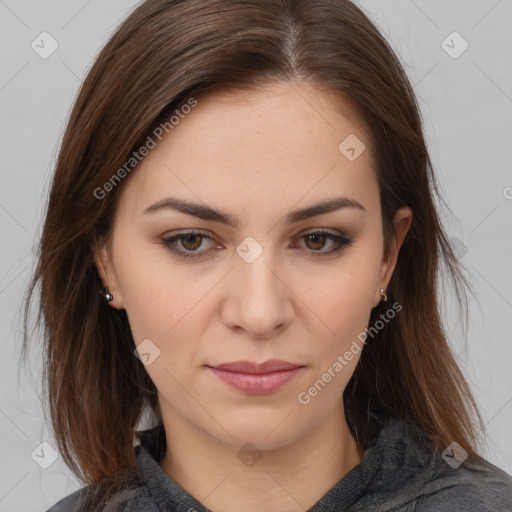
285,143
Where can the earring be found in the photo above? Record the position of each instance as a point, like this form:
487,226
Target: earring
383,293
106,295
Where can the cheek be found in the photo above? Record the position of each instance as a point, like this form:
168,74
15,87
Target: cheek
343,299
151,298
165,303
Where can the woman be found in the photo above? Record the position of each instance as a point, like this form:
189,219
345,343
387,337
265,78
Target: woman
248,187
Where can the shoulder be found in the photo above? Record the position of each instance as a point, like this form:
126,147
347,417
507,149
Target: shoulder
110,494
412,475
68,503
125,500
478,486
127,490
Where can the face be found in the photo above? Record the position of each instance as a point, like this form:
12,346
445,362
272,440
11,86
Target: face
271,284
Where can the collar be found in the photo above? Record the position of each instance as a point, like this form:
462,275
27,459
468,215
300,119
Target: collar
399,452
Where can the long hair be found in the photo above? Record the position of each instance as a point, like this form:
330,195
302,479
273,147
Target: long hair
164,54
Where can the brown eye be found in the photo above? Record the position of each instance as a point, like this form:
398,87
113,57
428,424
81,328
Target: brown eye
192,242
317,241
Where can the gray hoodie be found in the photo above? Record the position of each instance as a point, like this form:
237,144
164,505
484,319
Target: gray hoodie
399,473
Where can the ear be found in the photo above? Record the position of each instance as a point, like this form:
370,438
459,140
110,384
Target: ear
104,265
402,222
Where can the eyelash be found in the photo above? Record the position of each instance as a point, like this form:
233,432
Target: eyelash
342,243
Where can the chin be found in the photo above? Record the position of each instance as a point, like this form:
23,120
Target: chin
266,431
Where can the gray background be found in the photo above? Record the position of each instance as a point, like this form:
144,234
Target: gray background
466,103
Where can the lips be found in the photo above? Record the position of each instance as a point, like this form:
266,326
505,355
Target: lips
256,378
272,365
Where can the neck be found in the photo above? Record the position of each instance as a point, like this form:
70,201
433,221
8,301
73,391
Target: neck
290,478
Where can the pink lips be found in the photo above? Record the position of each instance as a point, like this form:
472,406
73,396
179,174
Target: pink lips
256,378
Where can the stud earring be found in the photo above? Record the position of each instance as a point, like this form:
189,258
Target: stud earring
106,295
383,293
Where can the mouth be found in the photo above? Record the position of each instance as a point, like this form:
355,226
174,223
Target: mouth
256,378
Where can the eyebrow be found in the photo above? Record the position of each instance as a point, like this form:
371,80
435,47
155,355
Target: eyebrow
207,213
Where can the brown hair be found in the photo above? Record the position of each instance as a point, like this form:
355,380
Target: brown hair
164,53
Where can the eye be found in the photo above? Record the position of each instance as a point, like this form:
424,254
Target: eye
191,240
316,240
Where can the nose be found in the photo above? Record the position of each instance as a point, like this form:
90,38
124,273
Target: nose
259,301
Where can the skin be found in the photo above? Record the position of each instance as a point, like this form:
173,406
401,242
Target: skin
257,156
